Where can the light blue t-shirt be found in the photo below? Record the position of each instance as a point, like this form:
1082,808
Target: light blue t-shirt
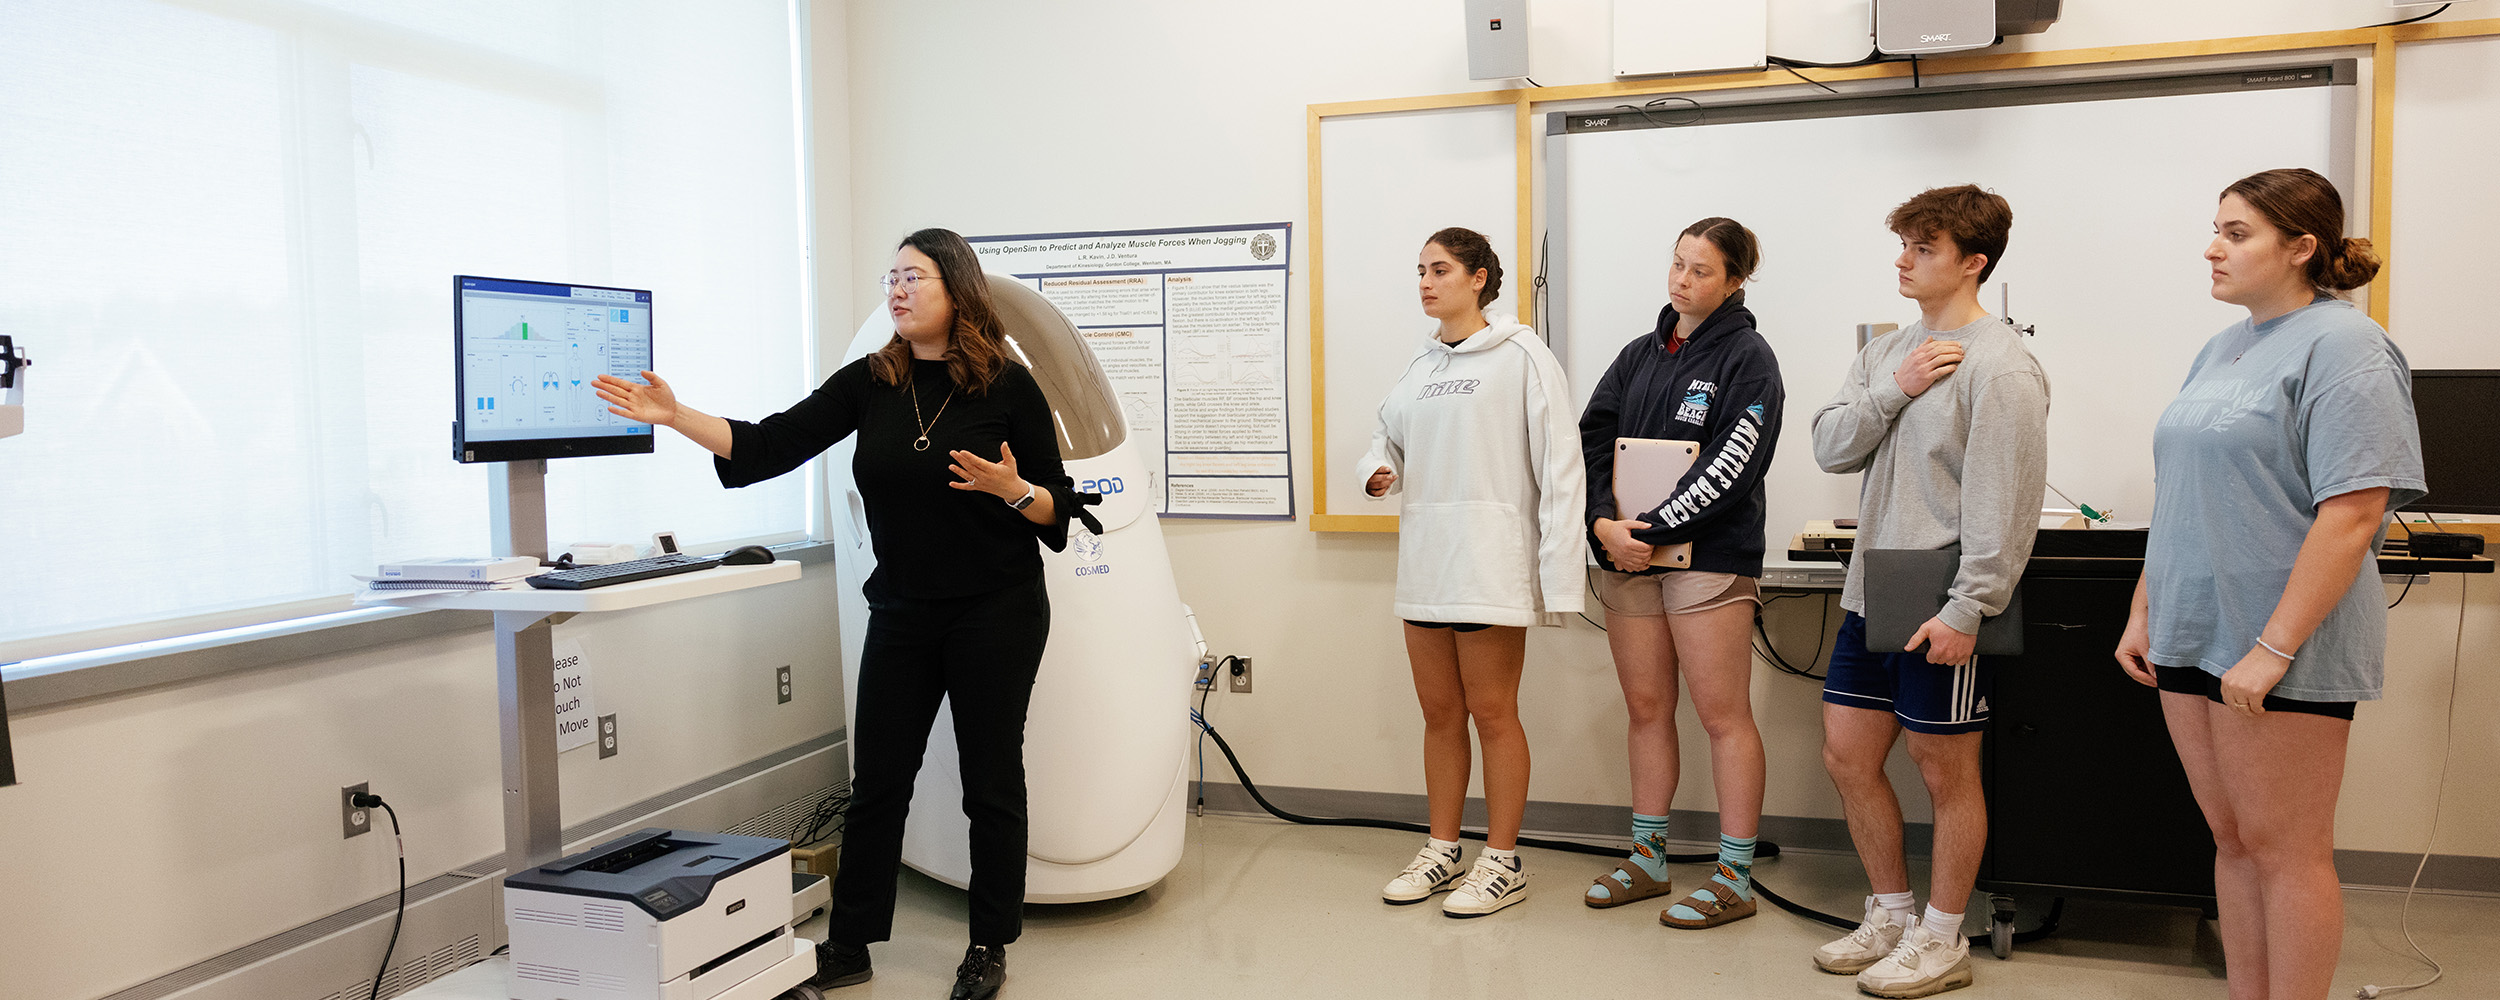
2274,418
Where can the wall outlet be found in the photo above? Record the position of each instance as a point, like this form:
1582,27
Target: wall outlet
607,736
1241,675
354,820
781,682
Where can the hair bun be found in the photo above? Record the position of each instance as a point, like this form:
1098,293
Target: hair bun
2352,263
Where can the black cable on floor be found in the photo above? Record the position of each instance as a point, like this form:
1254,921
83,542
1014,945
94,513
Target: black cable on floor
1763,850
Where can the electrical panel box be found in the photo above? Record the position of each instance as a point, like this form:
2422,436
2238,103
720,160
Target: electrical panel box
1655,37
1497,39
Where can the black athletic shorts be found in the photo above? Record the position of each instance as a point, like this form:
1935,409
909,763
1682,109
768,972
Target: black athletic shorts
2192,680
1452,626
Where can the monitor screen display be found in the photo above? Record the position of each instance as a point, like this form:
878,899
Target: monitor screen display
2457,408
525,355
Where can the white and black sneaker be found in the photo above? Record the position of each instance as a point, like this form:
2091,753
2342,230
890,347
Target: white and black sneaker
1433,870
1489,886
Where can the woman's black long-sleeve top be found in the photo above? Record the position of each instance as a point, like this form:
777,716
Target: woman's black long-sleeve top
932,540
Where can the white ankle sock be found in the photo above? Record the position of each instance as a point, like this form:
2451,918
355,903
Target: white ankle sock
1941,924
1509,858
1449,847
1900,904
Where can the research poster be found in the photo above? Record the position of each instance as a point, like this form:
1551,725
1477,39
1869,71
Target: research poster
1189,325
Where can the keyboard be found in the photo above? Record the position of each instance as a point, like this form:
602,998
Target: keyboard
585,577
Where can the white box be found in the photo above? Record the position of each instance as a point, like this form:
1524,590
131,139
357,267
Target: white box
1690,36
475,569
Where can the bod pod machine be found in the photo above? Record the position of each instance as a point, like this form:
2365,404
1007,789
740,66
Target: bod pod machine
1106,741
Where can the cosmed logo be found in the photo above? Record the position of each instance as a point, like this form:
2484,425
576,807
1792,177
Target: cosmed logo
1088,547
1262,247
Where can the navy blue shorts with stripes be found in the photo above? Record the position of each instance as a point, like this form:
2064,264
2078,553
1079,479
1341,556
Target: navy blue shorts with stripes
1926,697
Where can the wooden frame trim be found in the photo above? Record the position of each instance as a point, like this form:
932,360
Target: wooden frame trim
2382,165
2382,42
1318,244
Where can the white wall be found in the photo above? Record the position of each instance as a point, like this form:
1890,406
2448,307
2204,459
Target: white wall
1047,117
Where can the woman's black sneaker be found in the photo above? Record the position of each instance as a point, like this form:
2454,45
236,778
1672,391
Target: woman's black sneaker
839,964
983,972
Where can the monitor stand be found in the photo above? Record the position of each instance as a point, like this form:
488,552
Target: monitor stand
525,676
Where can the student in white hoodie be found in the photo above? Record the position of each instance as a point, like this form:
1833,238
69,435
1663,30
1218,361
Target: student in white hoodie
1480,437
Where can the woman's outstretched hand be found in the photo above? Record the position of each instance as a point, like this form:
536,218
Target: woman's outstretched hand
655,403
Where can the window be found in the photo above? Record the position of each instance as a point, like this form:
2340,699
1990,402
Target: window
230,232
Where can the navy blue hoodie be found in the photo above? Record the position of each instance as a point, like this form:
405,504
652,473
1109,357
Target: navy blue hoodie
1723,389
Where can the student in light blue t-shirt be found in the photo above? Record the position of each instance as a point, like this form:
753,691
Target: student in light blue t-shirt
2259,615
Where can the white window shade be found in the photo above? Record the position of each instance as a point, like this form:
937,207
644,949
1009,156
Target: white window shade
228,244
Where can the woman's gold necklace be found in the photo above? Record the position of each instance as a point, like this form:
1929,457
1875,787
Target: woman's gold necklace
922,442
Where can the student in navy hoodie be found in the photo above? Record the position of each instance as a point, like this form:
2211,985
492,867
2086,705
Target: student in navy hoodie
1702,375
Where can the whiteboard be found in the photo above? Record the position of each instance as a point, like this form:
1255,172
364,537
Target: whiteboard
1388,182
2113,202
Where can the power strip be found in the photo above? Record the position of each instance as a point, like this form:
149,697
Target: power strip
1804,577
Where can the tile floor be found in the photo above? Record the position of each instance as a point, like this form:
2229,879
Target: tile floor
1263,909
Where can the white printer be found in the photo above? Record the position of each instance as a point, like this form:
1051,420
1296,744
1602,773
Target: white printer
657,915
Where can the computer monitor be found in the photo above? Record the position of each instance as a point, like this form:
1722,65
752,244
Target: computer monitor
525,354
2457,409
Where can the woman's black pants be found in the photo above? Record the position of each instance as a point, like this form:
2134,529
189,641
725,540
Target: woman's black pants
979,654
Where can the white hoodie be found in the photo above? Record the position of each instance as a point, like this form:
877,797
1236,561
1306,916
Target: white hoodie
1486,448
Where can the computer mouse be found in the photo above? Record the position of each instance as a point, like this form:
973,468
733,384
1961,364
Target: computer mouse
747,555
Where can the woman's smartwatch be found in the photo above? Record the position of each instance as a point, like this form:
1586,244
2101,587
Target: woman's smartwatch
1027,500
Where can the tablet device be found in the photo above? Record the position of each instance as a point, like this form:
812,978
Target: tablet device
1906,587
1647,471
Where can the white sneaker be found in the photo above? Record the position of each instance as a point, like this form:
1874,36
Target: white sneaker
1432,871
1875,938
1489,886
1924,965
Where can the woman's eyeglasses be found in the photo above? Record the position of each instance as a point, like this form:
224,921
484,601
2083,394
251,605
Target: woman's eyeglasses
905,281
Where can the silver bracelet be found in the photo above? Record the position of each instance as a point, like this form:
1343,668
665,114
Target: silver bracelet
2261,640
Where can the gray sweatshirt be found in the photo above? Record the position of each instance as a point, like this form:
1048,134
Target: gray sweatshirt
1965,461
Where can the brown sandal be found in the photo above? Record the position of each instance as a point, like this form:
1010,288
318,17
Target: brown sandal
1643,887
1713,910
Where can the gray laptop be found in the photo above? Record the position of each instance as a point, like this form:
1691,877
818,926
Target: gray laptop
1906,587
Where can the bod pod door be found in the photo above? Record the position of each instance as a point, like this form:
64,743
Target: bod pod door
1106,741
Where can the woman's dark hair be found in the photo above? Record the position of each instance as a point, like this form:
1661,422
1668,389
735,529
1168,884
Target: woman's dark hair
1475,253
975,349
2301,203
1735,242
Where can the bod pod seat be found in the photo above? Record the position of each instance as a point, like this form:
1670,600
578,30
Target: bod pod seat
1106,741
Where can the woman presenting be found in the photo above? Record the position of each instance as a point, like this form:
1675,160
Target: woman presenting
1705,376
958,466
2259,616
1477,434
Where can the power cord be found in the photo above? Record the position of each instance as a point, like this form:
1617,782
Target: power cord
368,801
2443,8
827,819
2439,798
1763,849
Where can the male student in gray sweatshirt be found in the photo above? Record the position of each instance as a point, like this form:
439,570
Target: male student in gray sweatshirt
1947,420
